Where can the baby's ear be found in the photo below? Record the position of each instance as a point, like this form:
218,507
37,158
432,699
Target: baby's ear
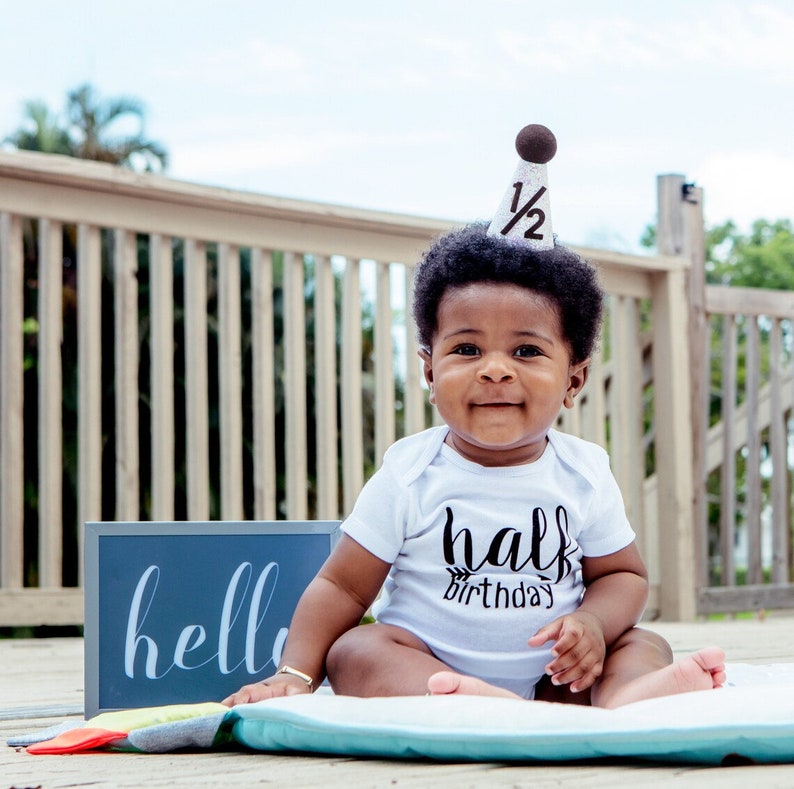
427,368
577,378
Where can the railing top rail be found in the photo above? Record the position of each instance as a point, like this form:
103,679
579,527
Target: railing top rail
647,264
731,300
240,211
99,177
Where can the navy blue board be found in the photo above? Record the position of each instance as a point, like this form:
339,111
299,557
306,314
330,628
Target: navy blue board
180,612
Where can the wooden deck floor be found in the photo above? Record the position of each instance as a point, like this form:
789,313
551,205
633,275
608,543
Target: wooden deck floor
41,683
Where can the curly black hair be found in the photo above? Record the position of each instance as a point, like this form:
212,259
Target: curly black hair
470,255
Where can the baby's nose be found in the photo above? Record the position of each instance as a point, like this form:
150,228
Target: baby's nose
496,367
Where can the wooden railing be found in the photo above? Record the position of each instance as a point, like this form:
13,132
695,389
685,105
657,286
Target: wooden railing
742,343
746,535
238,356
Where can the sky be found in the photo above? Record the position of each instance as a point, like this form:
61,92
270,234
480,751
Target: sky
413,105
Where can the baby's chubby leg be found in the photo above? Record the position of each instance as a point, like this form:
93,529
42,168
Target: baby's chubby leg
380,660
638,666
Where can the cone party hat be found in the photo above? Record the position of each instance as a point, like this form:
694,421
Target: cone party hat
524,212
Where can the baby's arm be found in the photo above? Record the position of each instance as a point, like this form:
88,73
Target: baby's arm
616,592
332,604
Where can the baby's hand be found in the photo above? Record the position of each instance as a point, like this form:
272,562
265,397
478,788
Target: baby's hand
270,688
578,652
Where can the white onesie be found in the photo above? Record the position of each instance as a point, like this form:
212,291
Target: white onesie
483,557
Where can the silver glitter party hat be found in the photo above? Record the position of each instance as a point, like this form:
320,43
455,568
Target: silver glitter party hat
525,212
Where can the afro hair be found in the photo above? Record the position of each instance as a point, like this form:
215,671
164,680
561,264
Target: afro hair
469,255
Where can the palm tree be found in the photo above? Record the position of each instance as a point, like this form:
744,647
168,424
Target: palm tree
87,132
90,126
41,132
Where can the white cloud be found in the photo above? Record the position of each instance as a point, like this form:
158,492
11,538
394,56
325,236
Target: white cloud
564,47
253,67
284,151
755,38
745,185
230,157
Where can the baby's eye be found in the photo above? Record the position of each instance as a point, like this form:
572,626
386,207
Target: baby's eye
466,350
527,351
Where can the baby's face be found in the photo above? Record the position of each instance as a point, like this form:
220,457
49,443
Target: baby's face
499,371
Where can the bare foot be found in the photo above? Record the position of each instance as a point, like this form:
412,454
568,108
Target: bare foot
448,683
702,670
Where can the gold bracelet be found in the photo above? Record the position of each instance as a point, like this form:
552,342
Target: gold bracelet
295,673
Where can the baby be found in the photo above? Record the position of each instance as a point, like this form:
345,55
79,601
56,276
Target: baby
501,545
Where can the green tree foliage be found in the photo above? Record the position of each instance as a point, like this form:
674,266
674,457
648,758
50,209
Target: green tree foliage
41,131
91,128
762,258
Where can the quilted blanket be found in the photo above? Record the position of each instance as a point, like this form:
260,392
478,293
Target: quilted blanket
751,719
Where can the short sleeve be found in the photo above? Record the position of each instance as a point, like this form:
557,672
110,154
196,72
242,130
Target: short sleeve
607,529
377,521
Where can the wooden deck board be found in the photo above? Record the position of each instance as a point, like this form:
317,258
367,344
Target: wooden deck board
41,683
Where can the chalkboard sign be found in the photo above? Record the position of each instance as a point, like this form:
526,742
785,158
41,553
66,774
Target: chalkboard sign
184,612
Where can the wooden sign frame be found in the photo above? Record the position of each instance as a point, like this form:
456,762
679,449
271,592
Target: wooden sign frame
185,612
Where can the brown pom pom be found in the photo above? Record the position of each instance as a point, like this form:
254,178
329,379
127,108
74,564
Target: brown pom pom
536,143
